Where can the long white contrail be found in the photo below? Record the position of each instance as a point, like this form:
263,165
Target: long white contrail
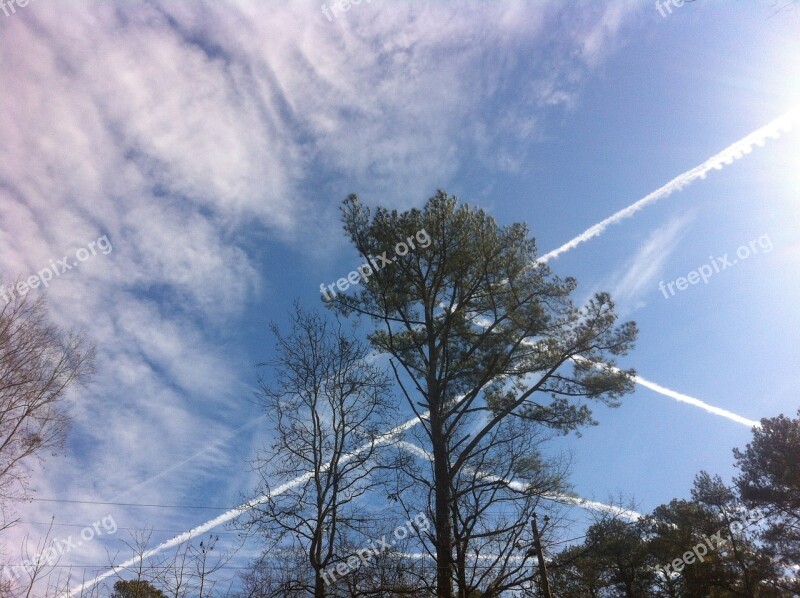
592,505
243,508
717,162
679,396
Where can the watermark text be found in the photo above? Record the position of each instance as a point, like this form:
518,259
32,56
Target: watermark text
365,555
56,268
366,270
717,265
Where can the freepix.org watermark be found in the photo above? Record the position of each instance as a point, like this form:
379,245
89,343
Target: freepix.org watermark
342,5
59,547
56,268
699,551
365,555
366,270
717,265
5,5
665,4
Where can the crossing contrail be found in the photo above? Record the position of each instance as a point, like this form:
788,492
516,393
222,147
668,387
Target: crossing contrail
243,508
727,156
678,396
717,162
592,505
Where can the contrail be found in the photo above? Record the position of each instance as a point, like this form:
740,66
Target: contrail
678,396
727,156
697,403
394,432
202,451
592,505
243,508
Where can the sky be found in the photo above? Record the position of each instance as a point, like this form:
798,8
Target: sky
193,157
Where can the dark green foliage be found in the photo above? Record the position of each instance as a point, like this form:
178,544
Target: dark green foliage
770,480
480,333
707,546
136,589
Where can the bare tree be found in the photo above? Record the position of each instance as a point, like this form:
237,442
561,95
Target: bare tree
386,574
32,575
392,572
174,575
38,362
191,570
20,578
144,572
279,574
329,406
206,561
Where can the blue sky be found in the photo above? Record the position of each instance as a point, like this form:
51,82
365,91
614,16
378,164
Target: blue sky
213,143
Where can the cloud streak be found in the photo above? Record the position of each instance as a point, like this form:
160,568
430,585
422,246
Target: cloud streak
636,275
207,140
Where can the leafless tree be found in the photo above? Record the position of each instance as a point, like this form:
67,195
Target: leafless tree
38,363
206,560
390,573
175,575
31,574
329,406
143,570
191,570
279,574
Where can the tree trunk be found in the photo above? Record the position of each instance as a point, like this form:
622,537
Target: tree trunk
444,546
319,586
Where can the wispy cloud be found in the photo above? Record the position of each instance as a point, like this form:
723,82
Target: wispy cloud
189,134
637,275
